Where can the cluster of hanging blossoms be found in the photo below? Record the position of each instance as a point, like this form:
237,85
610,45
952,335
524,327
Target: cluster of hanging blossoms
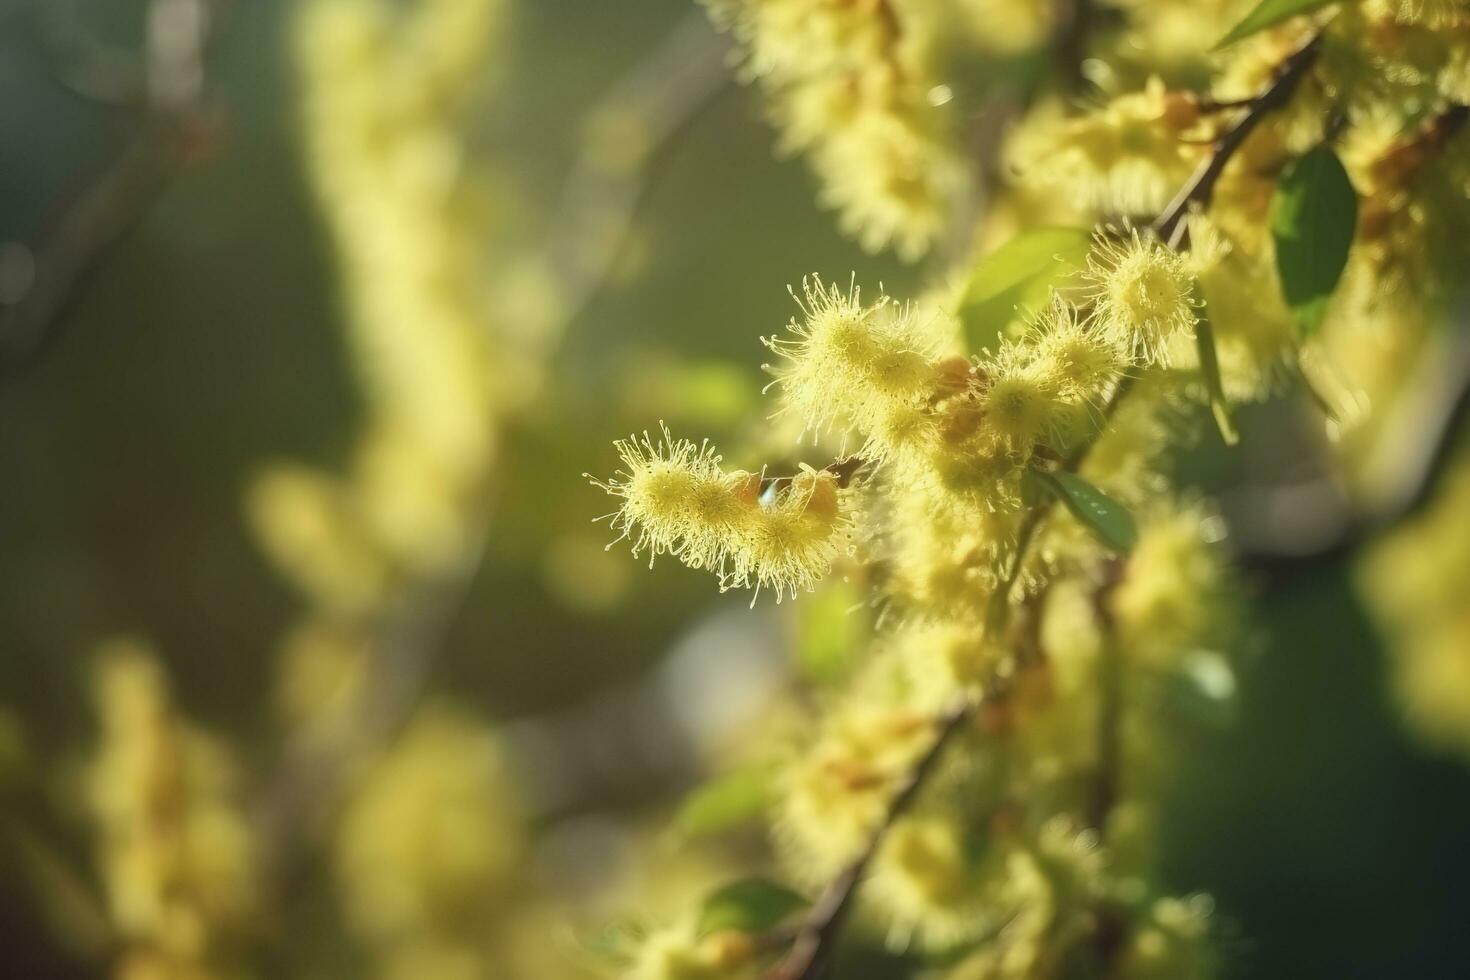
1175,223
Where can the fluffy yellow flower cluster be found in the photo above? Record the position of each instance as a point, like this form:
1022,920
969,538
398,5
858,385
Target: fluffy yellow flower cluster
955,452
781,535
175,850
430,849
850,85
383,90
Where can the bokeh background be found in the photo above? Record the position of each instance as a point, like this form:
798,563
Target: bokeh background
207,342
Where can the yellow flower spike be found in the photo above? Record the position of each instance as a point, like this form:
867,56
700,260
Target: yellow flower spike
1023,403
790,543
1078,358
1124,157
678,501
853,366
927,882
1143,293
1173,590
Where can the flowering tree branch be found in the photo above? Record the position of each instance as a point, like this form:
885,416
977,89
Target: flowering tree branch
817,935
812,949
1170,224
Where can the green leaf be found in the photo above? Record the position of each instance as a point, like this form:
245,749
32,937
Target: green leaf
1103,516
830,628
1313,213
725,802
750,905
1269,13
1209,363
1019,277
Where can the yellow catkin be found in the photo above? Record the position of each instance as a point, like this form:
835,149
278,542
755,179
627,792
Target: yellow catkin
174,848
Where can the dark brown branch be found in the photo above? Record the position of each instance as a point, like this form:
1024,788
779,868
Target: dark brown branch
1197,191
811,951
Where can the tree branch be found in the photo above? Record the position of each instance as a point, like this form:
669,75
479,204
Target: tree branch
174,124
811,951
1170,224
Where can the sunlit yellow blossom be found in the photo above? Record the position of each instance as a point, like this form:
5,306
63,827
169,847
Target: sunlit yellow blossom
1144,293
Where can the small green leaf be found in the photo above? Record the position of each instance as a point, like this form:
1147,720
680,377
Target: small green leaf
725,802
1209,364
1018,277
1269,13
1103,516
750,905
1313,213
830,628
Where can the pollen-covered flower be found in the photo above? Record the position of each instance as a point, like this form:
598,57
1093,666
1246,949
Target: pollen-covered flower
678,501
851,365
1078,357
1022,403
891,182
849,85
1124,157
679,951
1175,589
1427,13
934,881
833,795
791,540
1143,293
176,854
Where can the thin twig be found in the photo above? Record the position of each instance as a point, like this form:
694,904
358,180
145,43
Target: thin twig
172,127
1197,191
811,951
